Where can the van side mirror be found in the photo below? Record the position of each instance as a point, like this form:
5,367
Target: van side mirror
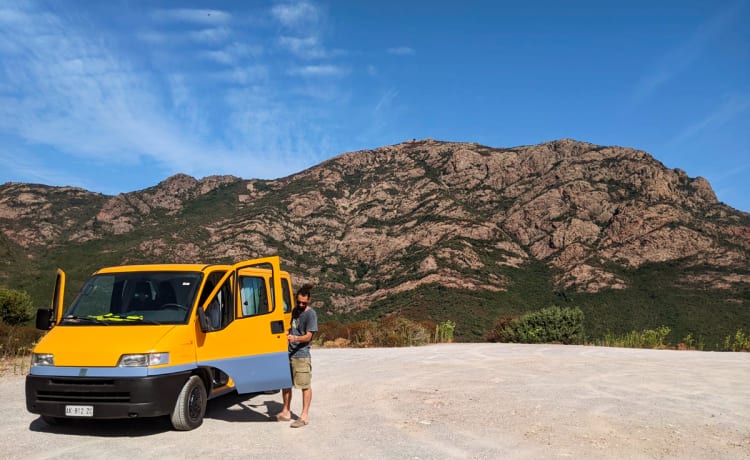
202,320
44,319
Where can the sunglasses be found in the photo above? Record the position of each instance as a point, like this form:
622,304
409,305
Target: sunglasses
301,304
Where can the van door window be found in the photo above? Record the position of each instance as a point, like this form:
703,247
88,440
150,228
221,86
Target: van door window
253,295
220,310
287,295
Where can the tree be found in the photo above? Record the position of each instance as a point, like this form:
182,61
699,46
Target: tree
15,306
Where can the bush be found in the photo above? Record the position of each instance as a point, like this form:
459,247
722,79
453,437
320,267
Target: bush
397,331
691,343
389,331
15,306
444,332
738,342
549,325
648,338
17,340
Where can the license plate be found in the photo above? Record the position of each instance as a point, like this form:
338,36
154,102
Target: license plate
79,411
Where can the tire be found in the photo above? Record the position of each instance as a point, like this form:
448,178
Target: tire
191,405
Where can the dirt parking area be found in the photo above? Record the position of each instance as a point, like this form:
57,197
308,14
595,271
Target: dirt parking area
463,401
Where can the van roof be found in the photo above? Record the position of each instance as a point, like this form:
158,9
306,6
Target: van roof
172,268
158,268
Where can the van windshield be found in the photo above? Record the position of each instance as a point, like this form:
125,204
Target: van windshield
135,298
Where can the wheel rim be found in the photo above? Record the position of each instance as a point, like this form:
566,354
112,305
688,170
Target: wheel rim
195,403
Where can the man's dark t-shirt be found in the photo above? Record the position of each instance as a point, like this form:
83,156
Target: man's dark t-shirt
302,323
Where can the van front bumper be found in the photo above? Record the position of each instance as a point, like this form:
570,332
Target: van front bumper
110,398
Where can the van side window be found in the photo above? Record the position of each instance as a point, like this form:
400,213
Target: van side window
253,295
287,295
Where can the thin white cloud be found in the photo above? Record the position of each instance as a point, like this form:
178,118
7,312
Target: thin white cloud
196,16
153,37
303,26
735,171
296,15
218,56
183,98
210,35
9,16
232,54
385,100
306,48
259,123
245,75
725,113
682,57
320,71
402,51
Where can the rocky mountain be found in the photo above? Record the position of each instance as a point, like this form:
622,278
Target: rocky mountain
434,230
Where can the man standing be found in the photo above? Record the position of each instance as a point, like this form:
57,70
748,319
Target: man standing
304,326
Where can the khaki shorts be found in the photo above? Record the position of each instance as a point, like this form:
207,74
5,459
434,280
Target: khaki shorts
301,372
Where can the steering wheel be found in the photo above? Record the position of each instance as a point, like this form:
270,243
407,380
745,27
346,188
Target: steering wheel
174,306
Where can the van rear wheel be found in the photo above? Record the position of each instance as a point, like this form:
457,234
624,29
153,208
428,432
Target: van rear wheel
191,405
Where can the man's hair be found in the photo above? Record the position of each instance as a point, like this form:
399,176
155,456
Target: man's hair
305,290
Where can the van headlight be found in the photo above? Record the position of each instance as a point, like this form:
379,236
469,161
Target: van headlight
143,359
42,359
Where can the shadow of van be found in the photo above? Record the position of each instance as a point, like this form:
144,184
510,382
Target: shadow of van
229,408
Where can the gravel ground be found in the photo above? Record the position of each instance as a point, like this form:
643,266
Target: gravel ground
466,401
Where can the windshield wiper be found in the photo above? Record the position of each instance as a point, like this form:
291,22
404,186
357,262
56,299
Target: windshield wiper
73,319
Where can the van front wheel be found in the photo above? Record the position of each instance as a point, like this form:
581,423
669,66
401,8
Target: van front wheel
191,405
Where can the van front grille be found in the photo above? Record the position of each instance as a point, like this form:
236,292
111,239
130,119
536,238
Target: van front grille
75,390
82,396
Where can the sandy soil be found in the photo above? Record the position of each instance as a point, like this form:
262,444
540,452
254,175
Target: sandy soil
472,401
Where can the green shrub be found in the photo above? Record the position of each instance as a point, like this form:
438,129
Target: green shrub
549,325
648,338
444,332
654,338
15,306
738,342
691,343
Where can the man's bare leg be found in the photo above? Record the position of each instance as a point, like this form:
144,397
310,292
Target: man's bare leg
286,396
306,399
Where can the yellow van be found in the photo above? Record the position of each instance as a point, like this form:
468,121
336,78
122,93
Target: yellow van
155,340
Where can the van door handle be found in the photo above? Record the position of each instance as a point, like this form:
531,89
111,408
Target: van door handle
277,327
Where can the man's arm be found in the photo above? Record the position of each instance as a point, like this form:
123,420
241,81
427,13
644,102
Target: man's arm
301,338
311,325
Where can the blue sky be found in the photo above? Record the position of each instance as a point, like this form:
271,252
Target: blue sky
116,96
